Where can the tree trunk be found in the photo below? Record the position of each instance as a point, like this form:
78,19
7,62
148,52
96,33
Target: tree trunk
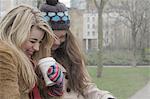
100,44
100,8
134,62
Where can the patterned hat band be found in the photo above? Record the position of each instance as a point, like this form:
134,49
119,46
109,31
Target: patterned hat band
57,20
56,16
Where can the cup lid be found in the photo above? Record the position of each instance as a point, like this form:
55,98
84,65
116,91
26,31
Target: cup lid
51,59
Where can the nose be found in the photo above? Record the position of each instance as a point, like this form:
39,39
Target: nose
36,46
57,42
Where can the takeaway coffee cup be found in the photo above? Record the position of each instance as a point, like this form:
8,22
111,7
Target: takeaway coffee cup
44,64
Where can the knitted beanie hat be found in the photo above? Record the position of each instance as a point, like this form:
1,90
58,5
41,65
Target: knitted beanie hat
56,14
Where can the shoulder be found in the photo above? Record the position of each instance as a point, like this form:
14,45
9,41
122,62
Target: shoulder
8,72
5,50
7,54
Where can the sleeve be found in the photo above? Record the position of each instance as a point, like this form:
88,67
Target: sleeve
9,87
92,92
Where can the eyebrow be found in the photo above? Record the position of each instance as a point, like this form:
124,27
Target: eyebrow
34,39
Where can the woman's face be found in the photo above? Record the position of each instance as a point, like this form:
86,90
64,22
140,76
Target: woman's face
61,37
32,44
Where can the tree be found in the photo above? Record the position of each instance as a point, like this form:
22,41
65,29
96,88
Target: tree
132,13
100,7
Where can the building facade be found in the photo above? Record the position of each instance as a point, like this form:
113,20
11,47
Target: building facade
90,31
76,17
4,8
28,2
87,27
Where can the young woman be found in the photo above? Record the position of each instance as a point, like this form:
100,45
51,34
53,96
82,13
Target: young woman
66,51
24,39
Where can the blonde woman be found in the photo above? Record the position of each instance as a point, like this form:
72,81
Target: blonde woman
24,39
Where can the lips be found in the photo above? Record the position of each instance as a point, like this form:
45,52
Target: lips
29,53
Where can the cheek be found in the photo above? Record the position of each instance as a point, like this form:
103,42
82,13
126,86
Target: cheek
56,42
25,46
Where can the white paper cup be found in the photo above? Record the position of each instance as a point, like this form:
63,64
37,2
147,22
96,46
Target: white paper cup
44,65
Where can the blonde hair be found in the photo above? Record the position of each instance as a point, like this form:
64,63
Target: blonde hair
15,28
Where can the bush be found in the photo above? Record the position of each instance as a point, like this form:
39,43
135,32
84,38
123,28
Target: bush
91,58
147,53
116,57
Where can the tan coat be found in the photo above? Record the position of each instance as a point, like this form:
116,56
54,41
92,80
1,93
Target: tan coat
90,93
10,80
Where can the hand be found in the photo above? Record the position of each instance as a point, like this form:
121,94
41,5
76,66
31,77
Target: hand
108,96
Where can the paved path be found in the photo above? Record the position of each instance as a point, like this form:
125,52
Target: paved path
144,93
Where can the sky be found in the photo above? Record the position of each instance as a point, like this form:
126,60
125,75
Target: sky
66,2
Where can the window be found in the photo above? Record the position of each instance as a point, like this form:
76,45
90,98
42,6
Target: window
88,33
88,26
88,19
93,33
93,26
93,18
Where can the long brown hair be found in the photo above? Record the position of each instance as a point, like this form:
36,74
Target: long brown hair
71,57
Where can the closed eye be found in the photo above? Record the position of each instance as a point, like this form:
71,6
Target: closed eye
32,41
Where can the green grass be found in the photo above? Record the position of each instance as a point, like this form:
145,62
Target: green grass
122,82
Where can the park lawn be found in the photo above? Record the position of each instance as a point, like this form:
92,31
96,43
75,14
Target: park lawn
123,82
